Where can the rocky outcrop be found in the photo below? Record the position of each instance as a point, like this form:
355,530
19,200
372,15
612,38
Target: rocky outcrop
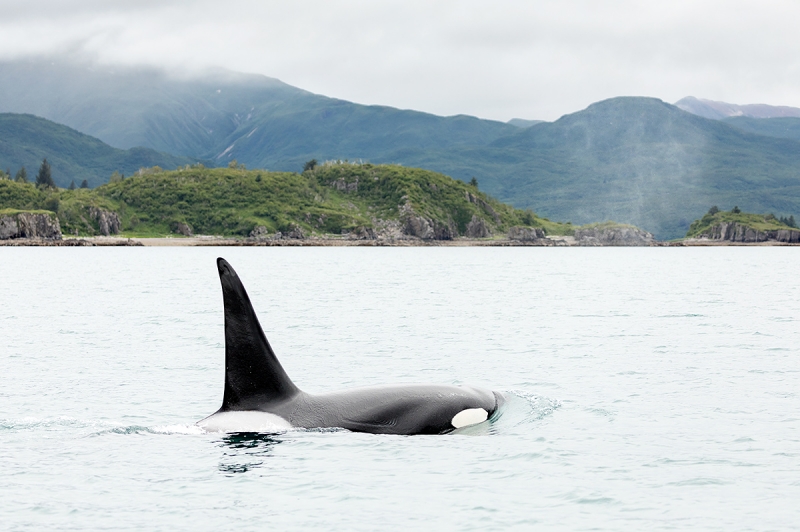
425,228
30,225
736,232
181,228
344,186
526,234
362,233
428,229
787,235
475,200
613,235
477,228
108,222
294,232
259,232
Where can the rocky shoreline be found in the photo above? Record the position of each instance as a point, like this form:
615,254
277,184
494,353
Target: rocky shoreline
204,241
738,233
42,229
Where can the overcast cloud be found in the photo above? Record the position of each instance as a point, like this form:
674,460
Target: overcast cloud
504,59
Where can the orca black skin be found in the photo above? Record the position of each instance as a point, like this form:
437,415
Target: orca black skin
260,396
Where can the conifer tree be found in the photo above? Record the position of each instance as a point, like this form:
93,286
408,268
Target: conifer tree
22,175
44,178
72,185
310,165
84,184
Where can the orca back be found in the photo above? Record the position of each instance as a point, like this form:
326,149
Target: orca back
253,375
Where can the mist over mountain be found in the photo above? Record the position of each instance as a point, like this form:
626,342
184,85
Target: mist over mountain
645,162
632,160
221,115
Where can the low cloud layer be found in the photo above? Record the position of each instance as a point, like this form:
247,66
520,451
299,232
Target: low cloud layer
535,60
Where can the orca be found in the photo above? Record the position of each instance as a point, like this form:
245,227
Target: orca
260,397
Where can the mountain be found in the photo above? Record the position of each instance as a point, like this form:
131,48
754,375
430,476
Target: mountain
638,161
720,110
25,140
222,115
522,123
633,160
782,128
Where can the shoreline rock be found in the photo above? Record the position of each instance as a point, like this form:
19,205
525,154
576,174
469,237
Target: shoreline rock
526,234
613,235
736,232
24,225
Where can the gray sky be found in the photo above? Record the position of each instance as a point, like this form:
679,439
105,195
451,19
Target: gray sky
500,59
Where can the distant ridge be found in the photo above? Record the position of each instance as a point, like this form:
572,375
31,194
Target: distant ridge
719,110
26,139
638,161
521,122
221,115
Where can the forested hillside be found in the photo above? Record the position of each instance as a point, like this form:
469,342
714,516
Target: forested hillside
26,140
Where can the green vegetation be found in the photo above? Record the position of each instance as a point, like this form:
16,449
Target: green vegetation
44,179
70,155
331,198
12,212
73,207
386,189
310,165
759,222
635,160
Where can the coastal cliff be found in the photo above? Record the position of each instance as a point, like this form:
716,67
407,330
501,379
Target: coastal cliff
740,227
736,232
29,224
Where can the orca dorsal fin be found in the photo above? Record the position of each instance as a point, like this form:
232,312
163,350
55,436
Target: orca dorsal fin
253,374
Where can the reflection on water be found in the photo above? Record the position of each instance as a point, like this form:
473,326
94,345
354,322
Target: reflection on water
243,451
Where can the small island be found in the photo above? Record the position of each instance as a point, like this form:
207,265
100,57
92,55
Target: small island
737,227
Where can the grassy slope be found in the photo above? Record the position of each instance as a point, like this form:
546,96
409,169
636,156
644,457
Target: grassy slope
229,201
27,139
759,222
11,212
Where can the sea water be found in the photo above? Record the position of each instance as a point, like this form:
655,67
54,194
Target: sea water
647,389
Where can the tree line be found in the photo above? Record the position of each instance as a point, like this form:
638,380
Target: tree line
44,177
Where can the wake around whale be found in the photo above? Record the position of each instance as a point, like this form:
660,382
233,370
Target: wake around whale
260,397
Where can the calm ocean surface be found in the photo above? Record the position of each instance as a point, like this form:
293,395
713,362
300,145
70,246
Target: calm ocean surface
650,388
